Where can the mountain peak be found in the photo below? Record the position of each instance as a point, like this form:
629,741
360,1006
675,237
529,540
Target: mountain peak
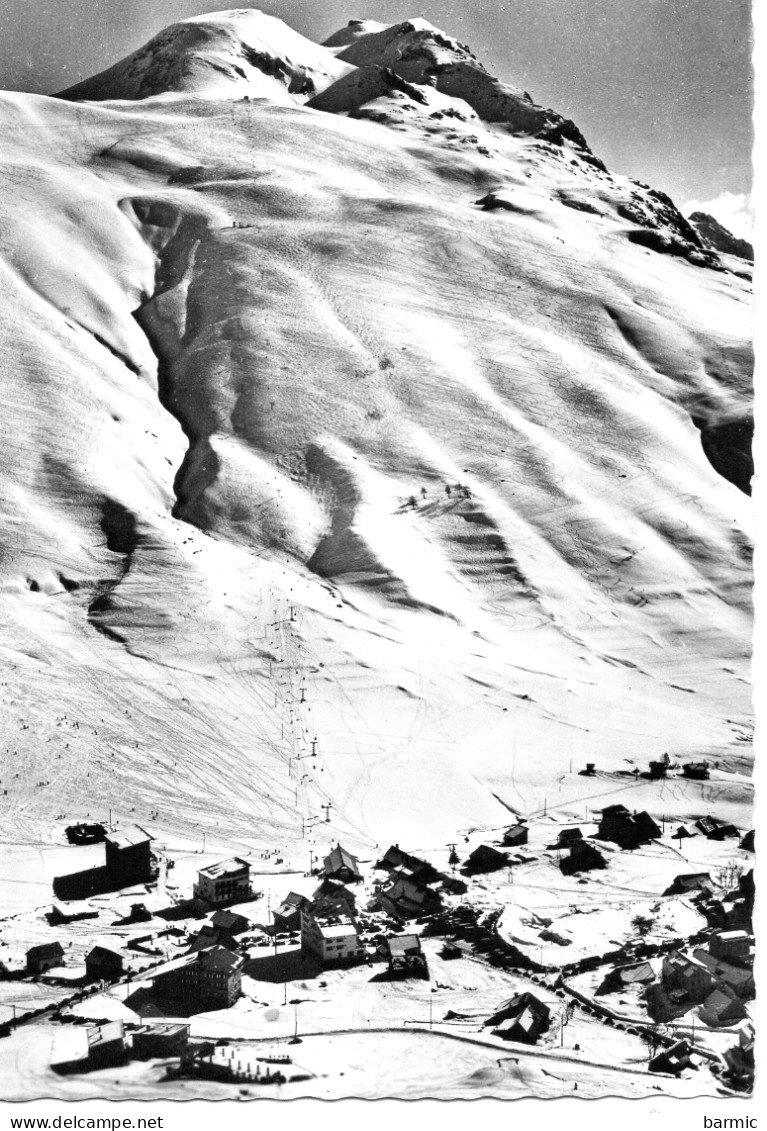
716,236
229,54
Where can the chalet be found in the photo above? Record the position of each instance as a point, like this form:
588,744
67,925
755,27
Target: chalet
515,836
681,972
672,1060
658,770
590,770
333,898
129,856
684,832
44,957
155,1041
106,1045
690,881
732,945
454,886
209,936
341,865
714,829
406,958
738,978
230,922
485,859
584,857
722,1007
698,771
629,830
747,841
287,917
395,859
103,964
450,951
567,837
227,881
407,899
210,979
332,940
637,973
522,1018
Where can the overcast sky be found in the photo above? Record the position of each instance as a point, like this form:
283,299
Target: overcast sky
662,89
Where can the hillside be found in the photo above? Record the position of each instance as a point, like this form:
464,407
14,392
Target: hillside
350,397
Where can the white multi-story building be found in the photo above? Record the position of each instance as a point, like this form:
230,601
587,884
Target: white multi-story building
227,881
331,940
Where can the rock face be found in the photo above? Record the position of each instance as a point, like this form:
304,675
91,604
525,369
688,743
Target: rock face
716,236
348,398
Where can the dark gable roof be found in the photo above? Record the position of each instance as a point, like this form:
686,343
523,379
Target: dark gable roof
396,857
99,951
220,959
333,888
408,895
485,852
406,887
631,824
228,920
514,1007
339,858
641,972
689,882
567,835
44,950
646,824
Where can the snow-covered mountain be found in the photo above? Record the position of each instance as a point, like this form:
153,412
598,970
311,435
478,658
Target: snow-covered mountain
716,236
349,397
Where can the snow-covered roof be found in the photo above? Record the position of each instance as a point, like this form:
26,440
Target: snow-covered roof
337,930
128,837
233,866
105,1034
402,944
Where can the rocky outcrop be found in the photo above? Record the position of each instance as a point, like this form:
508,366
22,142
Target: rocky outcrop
718,237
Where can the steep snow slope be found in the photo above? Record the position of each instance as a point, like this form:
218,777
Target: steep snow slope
388,427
